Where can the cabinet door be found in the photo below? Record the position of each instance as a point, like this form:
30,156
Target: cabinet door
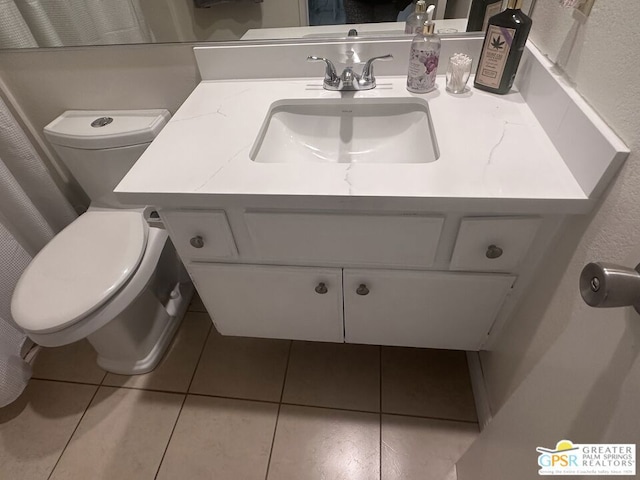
272,302
422,309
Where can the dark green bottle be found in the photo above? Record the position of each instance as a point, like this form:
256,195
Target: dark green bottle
480,13
502,49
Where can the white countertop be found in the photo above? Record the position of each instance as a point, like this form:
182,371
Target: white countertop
491,147
448,26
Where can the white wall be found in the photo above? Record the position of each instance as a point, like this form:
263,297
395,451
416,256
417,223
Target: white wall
179,21
601,58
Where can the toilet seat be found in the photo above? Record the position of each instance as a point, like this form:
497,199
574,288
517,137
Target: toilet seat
79,270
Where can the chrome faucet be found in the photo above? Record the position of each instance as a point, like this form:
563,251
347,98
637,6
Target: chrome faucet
349,80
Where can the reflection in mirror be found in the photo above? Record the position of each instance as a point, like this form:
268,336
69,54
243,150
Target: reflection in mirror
57,23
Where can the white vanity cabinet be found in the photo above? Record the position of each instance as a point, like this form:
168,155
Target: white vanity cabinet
390,279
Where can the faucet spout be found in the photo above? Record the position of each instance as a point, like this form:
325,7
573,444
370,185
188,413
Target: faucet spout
347,78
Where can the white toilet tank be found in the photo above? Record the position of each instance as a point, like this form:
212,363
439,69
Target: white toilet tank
99,147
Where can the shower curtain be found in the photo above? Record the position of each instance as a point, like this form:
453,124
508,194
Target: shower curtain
32,210
63,23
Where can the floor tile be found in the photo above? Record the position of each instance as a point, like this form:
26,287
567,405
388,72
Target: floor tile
334,375
250,368
75,362
222,439
123,434
176,369
428,383
36,427
319,443
422,448
196,304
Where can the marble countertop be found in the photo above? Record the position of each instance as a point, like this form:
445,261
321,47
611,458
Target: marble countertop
491,147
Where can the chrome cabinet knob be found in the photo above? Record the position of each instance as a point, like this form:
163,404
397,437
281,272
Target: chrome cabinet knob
362,290
608,285
197,241
321,288
493,251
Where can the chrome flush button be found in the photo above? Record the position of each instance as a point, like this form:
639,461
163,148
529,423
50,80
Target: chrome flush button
101,122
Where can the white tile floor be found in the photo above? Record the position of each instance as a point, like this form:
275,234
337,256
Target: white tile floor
236,408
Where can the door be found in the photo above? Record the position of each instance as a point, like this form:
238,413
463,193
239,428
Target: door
584,389
422,309
272,302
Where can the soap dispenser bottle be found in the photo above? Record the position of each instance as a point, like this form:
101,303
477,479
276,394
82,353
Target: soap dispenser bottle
503,45
415,21
424,57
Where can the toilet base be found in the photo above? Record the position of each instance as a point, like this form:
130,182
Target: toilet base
135,341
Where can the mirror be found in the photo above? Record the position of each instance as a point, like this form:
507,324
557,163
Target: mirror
62,23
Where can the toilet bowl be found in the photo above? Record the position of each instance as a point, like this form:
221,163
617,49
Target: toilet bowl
111,276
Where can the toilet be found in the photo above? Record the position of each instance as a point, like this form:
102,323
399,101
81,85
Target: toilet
112,276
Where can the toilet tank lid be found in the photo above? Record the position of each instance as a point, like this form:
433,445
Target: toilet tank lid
98,129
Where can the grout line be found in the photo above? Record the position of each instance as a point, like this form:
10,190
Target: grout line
74,430
429,417
273,441
173,429
225,397
380,377
286,370
275,428
75,382
341,409
271,402
184,400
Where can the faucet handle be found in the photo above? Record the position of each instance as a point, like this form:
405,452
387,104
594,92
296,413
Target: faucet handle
367,70
330,75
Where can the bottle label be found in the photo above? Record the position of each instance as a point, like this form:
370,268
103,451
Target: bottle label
494,55
493,9
423,67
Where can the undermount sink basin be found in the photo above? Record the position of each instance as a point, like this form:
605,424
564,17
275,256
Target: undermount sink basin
347,131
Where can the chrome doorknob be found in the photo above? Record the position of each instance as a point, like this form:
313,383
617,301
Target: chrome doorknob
609,285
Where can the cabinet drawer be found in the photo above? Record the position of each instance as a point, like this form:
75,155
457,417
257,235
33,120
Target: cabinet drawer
272,302
345,239
200,235
493,244
422,309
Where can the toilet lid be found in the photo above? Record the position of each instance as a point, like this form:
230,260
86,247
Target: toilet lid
79,270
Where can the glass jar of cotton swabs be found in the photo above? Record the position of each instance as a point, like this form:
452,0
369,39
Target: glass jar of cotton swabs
458,72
